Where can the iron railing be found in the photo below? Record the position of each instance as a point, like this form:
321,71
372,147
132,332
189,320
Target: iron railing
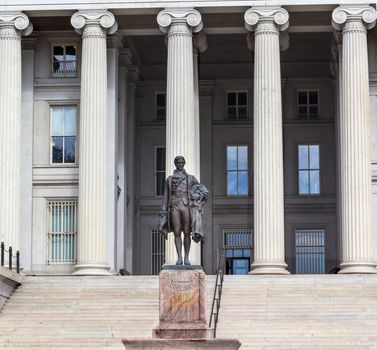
216,302
3,251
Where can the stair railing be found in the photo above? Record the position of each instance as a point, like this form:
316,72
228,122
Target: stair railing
3,251
216,301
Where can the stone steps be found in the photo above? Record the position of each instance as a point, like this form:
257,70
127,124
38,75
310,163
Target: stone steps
263,312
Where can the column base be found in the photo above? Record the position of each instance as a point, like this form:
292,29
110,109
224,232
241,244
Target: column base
269,269
358,267
92,270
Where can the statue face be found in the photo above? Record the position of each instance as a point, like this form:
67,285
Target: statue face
179,164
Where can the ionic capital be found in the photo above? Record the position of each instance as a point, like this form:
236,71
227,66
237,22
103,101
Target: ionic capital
275,15
199,42
14,24
189,17
361,15
103,19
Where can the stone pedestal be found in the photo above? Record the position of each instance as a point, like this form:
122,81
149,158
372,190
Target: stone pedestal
182,305
182,314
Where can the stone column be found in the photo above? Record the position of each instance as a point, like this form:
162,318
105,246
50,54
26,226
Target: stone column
92,213
12,26
268,141
181,127
355,180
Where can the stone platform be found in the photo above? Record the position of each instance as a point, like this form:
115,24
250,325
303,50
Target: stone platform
170,344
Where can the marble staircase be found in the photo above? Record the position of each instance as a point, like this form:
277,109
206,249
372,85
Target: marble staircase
336,312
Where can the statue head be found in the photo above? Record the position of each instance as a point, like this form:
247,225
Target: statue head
179,162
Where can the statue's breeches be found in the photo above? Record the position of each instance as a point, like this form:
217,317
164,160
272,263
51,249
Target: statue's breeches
180,218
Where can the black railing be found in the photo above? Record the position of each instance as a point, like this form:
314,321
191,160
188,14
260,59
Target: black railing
3,251
214,318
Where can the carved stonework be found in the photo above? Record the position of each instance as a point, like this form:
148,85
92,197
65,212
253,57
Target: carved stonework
14,24
99,23
189,18
199,42
267,21
277,16
354,18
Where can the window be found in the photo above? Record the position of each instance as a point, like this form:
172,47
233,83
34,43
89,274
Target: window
237,170
63,134
64,61
158,252
238,245
62,232
308,169
160,106
160,157
237,105
307,104
310,251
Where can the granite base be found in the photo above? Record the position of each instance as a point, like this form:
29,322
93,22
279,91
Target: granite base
179,344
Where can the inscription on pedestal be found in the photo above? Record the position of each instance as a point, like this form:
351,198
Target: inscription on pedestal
182,305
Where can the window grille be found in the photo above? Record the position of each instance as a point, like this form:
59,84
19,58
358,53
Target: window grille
63,134
310,251
238,246
160,164
158,252
160,106
64,60
237,105
237,170
308,169
307,104
62,232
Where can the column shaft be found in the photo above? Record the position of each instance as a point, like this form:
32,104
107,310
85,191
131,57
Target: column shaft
181,123
92,219
268,148
11,27
355,179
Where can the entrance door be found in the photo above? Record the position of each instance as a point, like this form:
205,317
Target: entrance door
238,245
237,266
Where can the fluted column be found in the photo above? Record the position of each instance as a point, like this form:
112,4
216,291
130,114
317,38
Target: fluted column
12,26
181,127
268,141
355,179
92,213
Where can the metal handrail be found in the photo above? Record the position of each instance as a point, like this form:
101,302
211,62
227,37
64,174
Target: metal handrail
10,257
216,301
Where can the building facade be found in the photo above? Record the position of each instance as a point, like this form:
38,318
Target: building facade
274,107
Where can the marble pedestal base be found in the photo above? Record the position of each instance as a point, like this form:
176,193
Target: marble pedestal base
182,315
170,344
182,305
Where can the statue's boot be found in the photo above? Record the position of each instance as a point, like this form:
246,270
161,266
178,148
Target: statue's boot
179,261
187,261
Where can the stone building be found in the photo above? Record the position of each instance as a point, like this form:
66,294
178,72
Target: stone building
274,108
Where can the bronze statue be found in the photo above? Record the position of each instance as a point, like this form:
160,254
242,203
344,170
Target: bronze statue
182,209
